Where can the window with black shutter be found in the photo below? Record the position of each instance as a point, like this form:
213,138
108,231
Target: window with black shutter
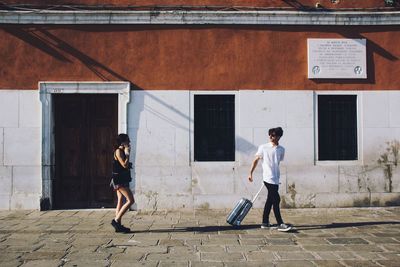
214,128
337,127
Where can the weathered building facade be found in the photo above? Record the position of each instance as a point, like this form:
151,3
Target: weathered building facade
196,88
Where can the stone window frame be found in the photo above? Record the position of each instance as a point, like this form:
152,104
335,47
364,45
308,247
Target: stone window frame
191,127
208,157
46,91
359,114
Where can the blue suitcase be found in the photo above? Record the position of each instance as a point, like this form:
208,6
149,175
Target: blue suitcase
236,216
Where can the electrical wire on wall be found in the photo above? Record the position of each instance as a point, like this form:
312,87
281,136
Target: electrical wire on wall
47,7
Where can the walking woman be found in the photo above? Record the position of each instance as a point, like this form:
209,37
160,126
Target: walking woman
120,182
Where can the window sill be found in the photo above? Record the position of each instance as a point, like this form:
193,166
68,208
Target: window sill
338,162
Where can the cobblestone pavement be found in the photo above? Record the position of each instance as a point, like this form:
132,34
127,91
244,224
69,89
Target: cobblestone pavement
323,237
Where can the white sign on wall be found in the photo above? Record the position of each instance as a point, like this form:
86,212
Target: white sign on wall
337,58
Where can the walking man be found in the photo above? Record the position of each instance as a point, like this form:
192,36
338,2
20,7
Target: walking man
271,154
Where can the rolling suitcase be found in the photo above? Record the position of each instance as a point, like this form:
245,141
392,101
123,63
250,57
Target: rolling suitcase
241,209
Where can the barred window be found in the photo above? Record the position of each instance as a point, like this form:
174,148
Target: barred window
214,127
337,127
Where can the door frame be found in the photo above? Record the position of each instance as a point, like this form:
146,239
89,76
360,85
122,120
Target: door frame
46,91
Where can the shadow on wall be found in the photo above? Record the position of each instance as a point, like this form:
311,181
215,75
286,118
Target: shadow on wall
372,48
52,45
296,4
333,4
41,38
357,32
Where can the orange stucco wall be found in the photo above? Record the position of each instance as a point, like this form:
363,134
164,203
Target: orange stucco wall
188,57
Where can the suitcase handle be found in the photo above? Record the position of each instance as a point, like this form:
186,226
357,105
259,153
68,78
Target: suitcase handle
256,196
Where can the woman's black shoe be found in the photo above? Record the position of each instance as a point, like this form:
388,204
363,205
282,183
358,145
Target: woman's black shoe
119,228
125,229
116,226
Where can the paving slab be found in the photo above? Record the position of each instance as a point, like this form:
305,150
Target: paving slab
130,263
326,255
224,257
321,237
289,255
281,248
206,264
11,263
361,263
346,255
85,262
213,248
39,255
41,263
296,263
260,256
244,248
388,263
173,256
327,263
250,264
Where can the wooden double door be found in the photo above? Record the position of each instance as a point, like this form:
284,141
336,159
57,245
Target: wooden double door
85,132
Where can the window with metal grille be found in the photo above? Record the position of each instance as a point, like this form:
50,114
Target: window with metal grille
337,127
214,127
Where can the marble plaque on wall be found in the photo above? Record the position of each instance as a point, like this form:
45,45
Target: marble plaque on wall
337,58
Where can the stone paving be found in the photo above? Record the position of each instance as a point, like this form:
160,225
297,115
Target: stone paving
323,237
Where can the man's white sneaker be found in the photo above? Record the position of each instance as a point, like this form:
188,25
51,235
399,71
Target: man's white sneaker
268,226
284,227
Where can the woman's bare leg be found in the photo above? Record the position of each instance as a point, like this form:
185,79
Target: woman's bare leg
126,192
119,203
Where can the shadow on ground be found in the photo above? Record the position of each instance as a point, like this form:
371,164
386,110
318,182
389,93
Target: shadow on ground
296,229
304,227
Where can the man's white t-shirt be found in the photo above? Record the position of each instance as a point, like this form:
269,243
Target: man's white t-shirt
271,156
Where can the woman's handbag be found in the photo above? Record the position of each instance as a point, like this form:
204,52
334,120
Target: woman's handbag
120,178
114,179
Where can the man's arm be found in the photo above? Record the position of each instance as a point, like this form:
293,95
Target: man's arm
253,167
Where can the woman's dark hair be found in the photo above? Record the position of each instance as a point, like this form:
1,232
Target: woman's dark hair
276,131
121,138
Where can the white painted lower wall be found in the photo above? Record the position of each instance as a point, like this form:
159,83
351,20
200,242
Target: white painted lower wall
160,124
20,149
